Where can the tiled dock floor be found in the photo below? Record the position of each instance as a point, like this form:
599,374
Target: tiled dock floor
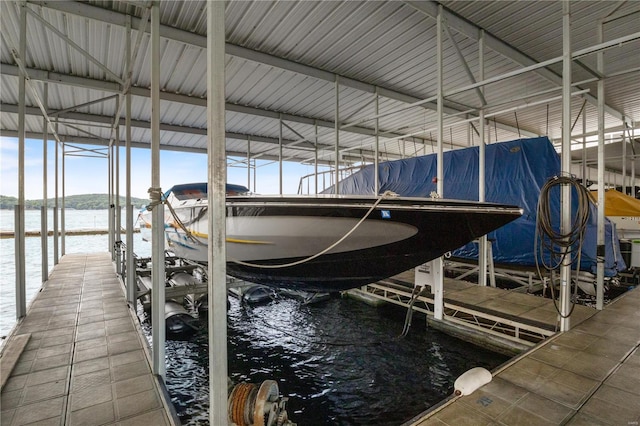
503,302
84,363
589,375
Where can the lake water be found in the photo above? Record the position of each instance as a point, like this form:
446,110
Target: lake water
75,220
340,362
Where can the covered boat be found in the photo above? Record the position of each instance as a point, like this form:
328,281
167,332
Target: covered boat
515,173
624,211
328,243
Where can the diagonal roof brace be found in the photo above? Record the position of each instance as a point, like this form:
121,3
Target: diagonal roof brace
176,34
471,30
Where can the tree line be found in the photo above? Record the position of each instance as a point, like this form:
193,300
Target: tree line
78,202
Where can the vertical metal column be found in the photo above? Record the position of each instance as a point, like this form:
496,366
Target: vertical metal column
601,200
584,147
130,268
440,102
249,162
337,131
62,213
21,303
315,154
56,255
565,195
633,165
118,212
624,163
110,190
280,154
217,172
482,247
157,216
376,161
44,225
438,298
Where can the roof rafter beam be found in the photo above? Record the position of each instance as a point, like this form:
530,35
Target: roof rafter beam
93,118
73,44
176,34
306,150
471,30
51,77
465,65
85,140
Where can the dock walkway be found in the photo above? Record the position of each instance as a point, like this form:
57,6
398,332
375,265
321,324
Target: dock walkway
588,375
507,321
85,360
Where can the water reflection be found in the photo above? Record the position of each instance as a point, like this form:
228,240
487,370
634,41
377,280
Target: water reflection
340,362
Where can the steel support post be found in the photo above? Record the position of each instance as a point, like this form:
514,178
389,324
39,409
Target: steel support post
217,172
440,104
584,147
438,275
130,267
62,212
280,154
112,211
337,131
21,304
624,163
438,288
249,162
157,217
376,160
482,245
601,166
44,236
565,195
118,212
44,225
633,166
56,255
315,154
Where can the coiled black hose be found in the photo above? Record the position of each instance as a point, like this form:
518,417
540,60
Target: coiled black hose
549,238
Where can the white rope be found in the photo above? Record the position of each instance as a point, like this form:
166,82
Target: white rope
155,195
386,194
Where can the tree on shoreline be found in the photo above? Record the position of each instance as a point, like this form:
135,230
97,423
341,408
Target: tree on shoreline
78,202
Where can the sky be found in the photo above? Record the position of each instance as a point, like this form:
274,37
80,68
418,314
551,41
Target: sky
85,175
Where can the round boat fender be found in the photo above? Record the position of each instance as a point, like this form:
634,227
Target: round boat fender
471,380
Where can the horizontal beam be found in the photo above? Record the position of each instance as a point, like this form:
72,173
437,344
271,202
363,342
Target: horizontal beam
306,150
56,78
94,118
116,18
472,31
86,140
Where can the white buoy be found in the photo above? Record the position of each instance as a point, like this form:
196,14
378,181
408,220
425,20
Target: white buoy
471,380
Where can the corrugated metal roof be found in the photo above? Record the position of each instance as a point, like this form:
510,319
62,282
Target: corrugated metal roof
283,58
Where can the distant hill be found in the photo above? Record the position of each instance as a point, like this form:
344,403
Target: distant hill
78,202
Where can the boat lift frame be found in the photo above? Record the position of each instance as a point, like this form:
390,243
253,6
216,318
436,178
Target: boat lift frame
515,331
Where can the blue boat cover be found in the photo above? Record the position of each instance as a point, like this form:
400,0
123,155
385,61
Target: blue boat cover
191,191
515,173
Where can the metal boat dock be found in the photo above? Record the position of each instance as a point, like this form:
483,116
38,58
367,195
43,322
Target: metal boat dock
506,321
85,361
587,375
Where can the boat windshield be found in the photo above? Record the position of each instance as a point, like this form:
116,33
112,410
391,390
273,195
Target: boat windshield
196,191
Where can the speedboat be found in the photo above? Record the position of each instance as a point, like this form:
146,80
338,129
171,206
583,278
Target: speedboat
327,243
